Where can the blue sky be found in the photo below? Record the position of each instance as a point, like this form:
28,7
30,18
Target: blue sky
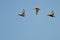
30,27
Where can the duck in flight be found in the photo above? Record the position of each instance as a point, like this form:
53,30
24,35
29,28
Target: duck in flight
37,10
23,13
52,14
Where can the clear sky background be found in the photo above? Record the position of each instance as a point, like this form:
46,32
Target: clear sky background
30,27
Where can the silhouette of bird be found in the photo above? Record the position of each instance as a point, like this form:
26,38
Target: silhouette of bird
23,13
52,14
37,10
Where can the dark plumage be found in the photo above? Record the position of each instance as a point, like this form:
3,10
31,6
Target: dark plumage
50,15
37,10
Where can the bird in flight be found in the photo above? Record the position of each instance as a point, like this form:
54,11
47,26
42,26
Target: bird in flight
23,13
52,14
37,10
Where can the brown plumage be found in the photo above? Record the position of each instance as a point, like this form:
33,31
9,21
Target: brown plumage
23,13
52,14
37,10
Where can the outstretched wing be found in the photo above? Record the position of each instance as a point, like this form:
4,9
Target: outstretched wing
23,12
52,12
